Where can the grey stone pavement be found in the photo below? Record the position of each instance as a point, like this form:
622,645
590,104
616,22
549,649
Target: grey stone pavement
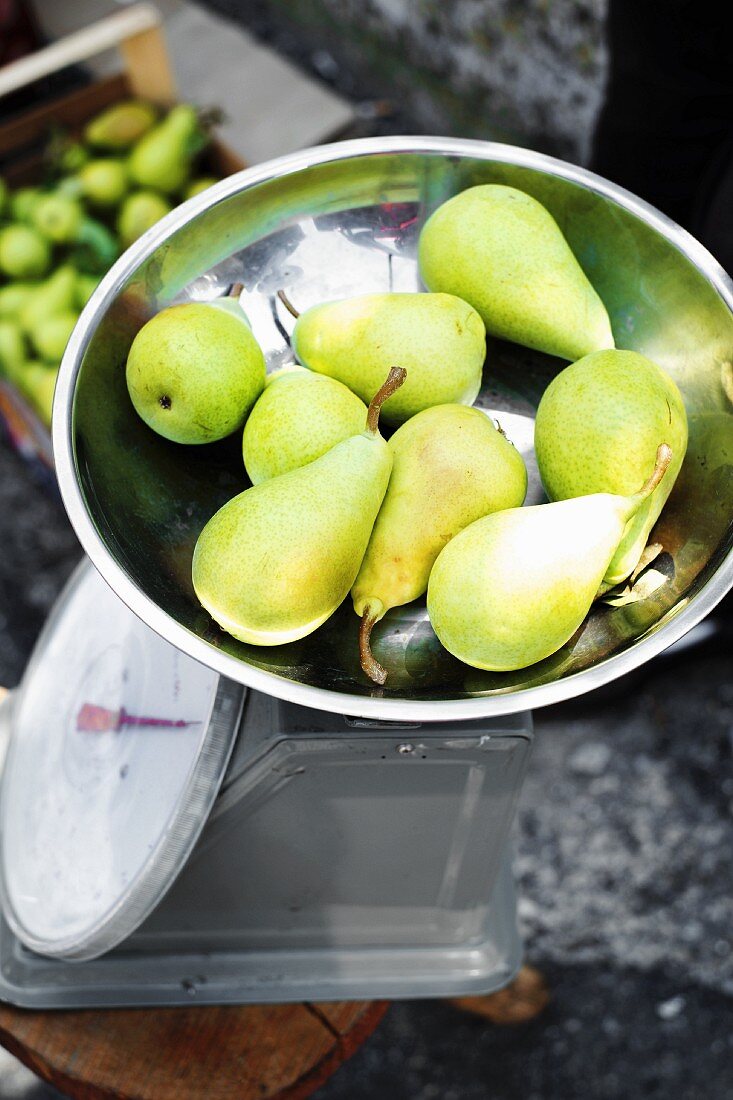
624,844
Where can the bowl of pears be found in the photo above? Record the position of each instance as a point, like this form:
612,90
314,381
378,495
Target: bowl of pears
408,429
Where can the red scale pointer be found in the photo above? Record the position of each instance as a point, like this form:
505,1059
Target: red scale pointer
94,719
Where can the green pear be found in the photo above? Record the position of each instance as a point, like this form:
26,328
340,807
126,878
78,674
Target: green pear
85,287
515,586
119,127
56,295
57,217
12,349
95,248
37,383
195,187
14,296
23,201
502,251
69,157
598,427
450,466
24,253
162,158
50,336
439,340
140,211
104,182
194,372
4,196
299,417
277,560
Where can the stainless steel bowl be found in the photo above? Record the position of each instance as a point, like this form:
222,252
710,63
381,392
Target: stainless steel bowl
342,219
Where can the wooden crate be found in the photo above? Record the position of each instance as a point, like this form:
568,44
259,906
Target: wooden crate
146,74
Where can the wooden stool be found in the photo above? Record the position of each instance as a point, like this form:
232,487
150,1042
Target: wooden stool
259,1051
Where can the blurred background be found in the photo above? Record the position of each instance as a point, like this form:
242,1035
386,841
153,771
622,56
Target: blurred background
624,832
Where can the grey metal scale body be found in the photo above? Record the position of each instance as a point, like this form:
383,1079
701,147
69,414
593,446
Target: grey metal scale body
357,843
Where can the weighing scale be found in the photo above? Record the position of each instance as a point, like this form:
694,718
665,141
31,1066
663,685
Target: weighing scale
198,839
184,816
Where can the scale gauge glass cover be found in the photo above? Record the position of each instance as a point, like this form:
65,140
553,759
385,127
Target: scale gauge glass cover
118,746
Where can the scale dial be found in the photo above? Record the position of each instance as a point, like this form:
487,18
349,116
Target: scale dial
118,747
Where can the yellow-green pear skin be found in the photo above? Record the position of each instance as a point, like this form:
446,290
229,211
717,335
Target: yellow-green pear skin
50,336
502,251
24,252
13,297
104,182
38,384
12,348
138,213
299,416
277,560
514,587
437,338
597,430
57,294
162,158
194,372
450,466
120,126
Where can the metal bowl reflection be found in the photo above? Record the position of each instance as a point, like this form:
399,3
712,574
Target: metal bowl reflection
342,219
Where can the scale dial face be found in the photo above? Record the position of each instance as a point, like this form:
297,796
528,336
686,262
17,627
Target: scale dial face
118,746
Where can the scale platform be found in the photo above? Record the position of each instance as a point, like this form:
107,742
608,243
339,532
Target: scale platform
168,836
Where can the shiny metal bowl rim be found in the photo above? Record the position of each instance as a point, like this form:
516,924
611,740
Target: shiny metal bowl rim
376,707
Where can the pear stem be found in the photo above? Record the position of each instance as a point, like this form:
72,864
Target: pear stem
664,457
369,663
235,290
394,380
288,304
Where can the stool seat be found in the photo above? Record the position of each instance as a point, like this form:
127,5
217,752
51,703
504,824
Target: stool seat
256,1051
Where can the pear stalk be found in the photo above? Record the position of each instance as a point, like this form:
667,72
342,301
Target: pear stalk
394,380
369,663
288,304
661,465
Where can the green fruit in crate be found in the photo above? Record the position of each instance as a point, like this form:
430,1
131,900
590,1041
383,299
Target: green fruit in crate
438,338
50,337
162,159
72,157
85,287
57,217
37,382
598,427
277,560
14,296
23,201
24,253
451,466
119,127
195,187
194,372
95,248
502,251
299,417
56,295
12,349
105,182
139,212
515,586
